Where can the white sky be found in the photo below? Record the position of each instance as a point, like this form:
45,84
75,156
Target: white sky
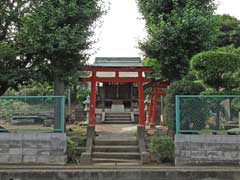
123,27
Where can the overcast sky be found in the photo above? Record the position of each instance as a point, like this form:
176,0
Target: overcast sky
123,27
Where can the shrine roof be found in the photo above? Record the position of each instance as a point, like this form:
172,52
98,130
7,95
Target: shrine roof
118,62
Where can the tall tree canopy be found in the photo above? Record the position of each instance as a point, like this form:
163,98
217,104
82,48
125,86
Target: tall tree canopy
13,67
177,30
56,35
229,31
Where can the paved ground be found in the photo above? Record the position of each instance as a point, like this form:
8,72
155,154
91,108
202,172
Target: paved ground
121,173
143,167
116,131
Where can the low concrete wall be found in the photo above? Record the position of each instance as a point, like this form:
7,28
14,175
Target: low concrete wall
185,173
32,148
207,149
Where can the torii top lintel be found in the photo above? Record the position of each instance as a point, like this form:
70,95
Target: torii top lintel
117,70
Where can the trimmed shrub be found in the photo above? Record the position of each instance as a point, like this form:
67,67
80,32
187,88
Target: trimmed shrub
162,147
217,68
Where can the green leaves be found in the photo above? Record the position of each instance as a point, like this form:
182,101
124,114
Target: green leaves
218,69
43,38
177,30
229,31
14,66
58,33
163,148
182,87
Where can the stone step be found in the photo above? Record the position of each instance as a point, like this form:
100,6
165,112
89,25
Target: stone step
115,143
118,114
111,160
116,155
115,149
117,117
118,122
127,120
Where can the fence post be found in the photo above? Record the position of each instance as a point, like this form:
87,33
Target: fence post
62,114
177,114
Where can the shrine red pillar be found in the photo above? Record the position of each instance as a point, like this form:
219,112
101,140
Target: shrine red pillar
150,107
141,99
154,109
92,118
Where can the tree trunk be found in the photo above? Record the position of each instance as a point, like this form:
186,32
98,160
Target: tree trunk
3,89
58,91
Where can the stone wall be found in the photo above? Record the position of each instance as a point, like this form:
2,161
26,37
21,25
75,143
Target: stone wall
32,148
207,149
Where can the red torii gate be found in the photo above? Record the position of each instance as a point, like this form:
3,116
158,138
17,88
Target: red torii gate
139,80
157,90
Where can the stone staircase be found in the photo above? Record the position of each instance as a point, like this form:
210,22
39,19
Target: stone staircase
115,144
118,118
115,151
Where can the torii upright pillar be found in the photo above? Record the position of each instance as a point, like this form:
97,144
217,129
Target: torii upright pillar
141,99
92,118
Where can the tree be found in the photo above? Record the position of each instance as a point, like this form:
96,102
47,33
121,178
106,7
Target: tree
229,31
56,35
11,14
219,69
13,70
177,30
13,66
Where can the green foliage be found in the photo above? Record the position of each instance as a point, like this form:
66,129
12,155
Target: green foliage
11,14
194,113
57,33
229,31
79,90
219,69
153,10
236,104
9,107
32,89
163,148
182,87
177,30
153,63
82,141
14,68
71,150
82,95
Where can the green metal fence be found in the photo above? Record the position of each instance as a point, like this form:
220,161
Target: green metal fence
32,113
196,114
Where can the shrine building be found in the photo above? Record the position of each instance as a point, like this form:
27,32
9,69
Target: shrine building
117,90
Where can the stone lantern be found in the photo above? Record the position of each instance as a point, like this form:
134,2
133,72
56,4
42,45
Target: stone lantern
146,106
87,107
